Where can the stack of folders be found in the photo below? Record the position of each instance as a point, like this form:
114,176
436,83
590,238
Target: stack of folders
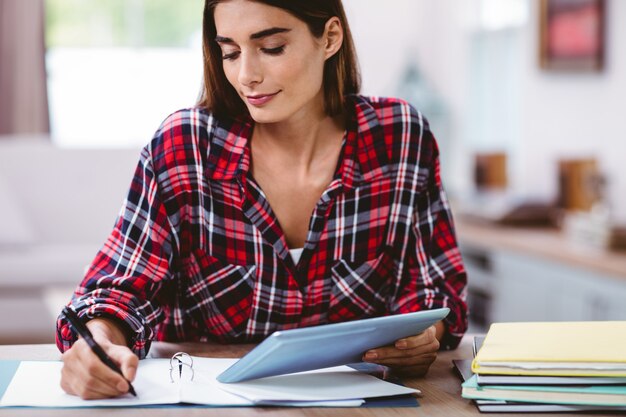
549,366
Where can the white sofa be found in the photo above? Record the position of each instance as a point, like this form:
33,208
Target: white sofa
56,208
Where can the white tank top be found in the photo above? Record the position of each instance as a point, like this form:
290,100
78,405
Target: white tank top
295,254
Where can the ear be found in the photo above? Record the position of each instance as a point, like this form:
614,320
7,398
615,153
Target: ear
333,37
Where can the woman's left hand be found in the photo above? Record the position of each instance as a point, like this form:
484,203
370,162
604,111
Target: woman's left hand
411,356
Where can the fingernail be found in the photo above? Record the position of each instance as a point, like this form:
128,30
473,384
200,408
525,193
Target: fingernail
122,386
371,355
401,344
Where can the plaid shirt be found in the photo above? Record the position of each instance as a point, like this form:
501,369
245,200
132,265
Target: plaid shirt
197,254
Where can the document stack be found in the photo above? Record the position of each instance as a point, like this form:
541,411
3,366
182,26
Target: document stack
550,366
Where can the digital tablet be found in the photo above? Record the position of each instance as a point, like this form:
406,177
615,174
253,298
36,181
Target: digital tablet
297,350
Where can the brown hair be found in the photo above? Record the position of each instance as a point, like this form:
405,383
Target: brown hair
341,71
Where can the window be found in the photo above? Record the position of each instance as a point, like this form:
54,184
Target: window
495,72
502,14
117,68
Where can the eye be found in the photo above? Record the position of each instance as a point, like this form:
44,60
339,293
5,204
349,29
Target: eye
230,56
274,51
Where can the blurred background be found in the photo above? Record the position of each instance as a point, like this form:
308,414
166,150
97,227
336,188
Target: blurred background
524,97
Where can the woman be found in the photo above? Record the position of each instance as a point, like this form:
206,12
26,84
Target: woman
284,199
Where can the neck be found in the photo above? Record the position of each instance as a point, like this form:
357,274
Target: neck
299,140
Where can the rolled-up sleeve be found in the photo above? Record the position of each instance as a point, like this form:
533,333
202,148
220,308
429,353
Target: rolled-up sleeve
123,281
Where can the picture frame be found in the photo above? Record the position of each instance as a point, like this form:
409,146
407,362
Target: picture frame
572,35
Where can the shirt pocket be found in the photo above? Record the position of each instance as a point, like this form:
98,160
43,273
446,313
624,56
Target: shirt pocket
360,289
219,296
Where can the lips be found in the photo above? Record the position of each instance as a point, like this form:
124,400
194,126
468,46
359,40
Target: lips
260,99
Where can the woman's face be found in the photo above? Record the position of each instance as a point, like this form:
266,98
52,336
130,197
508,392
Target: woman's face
271,59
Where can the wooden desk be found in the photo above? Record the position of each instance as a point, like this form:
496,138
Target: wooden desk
441,389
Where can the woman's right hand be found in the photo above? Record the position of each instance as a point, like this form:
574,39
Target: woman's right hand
83,373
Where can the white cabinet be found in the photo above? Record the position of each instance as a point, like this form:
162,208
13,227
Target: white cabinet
510,285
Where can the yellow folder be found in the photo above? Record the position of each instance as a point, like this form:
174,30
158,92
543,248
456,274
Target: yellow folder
590,348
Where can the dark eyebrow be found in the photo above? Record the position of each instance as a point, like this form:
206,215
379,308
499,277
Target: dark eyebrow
268,32
258,35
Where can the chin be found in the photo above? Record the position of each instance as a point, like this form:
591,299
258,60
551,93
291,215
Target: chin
264,116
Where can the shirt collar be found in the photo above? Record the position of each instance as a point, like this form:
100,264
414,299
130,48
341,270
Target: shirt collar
365,153
229,155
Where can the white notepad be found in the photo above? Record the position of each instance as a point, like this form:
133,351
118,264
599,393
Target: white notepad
37,384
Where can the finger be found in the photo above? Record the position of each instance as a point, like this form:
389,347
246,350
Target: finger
94,388
126,359
123,358
93,375
423,342
423,339
73,370
100,378
76,379
66,378
111,384
390,352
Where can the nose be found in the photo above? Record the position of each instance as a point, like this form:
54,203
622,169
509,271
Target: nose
249,71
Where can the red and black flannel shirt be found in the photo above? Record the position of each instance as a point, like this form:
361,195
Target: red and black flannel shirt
197,254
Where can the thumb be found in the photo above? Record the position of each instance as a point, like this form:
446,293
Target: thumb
126,360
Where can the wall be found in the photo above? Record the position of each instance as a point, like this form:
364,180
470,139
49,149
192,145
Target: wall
558,114
578,114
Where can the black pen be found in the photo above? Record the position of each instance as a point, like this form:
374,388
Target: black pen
84,332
